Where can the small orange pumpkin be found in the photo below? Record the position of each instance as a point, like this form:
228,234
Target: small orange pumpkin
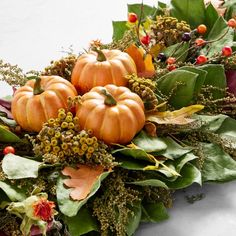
102,67
114,114
39,99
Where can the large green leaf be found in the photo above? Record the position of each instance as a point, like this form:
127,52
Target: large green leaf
179,50
14,193
68,206
119,28
7,136
130,164
145,9
82,223
189,175
191,11
154,212
219,29
211,18
200,79
150,182
215,77
182,84
134,219
16,167
149,143
218,166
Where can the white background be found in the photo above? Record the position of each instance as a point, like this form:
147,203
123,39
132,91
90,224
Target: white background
34,32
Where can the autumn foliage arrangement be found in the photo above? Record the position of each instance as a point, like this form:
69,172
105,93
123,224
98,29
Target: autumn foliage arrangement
99,142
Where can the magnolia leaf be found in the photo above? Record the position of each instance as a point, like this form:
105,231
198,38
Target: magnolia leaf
177,117
218,165
154,212
89,222
211,17
17,167
6,136
81,180
13,193
150,182
68,206
119,28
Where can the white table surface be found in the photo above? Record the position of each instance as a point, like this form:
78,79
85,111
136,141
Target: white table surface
34,32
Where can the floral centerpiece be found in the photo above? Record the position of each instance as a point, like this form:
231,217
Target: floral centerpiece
99,142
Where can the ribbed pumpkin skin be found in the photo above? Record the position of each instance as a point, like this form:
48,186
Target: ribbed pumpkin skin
112,124
31,111
89,73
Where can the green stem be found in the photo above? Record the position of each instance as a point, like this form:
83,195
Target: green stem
100,57
109,100
37,86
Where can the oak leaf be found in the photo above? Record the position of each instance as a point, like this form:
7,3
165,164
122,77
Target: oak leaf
81,180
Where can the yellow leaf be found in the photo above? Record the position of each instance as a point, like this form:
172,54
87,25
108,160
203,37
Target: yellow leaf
81,180
177,117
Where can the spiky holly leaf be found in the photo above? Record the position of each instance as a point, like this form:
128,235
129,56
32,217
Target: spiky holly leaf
81,180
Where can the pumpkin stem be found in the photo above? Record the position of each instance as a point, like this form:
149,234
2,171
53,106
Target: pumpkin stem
109,100
37,87
100,57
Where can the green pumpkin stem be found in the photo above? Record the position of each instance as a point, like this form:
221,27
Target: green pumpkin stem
100,57
37,86
109,100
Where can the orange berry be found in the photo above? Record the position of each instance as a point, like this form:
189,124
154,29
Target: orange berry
171,67
232,23
171,60
201,29
132,17
200,42
145,39
227,51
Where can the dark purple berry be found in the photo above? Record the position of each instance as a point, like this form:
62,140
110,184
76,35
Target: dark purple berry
186,37
162,57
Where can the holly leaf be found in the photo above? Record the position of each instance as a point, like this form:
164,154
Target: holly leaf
81,180
177,117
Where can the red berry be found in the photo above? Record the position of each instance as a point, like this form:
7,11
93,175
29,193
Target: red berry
200,42
227,51
171,67
8,149
145,39
171,60
201,29
232,23
201,59
132,17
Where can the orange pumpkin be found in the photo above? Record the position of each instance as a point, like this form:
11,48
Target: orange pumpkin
101,68
39,99
114,114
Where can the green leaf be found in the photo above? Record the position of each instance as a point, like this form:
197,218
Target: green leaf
200,78
177,50
7,136
149,143
8,121
183,83
218,166
150,182
231,9
146,10
211,18
173,150
16,167
215,77
68,206
134,219
119,28
82,223
191,11
219,29
189,175
154,212
14,193
130,164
